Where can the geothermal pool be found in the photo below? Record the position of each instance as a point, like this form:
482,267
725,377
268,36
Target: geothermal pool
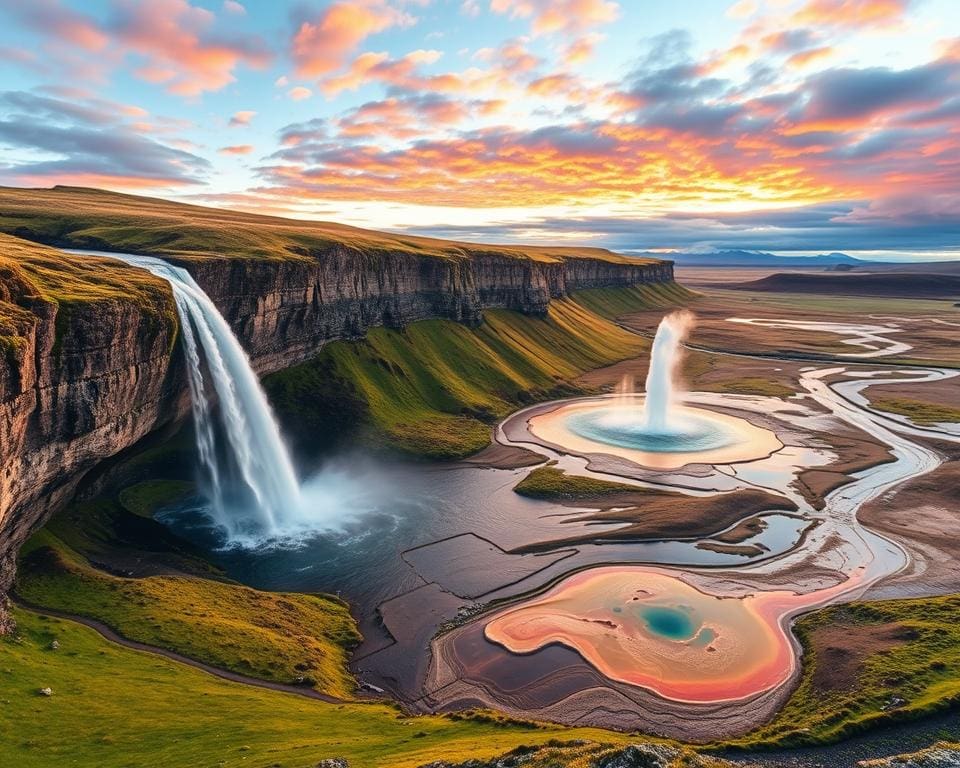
652,628
613,425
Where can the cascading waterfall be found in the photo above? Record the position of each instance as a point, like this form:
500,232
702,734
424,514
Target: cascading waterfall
257,454
662,373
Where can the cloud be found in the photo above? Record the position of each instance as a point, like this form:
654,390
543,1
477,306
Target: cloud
323,42
243,117
299,93
845,96
54,19
569,17
232,6
860,14
173,42
236,149
69,142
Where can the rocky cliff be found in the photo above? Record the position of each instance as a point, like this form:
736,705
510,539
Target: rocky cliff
86,375
284,311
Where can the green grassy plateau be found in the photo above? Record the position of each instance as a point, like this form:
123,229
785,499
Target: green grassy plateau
34,275
97,219
436,388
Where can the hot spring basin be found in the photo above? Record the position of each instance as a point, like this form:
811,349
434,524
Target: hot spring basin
614,426
649,627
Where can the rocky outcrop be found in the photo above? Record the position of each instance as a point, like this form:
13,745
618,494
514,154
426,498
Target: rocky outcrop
87,380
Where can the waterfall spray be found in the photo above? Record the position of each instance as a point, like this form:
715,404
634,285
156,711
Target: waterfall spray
253,441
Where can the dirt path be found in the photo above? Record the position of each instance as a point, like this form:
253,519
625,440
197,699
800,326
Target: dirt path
234,677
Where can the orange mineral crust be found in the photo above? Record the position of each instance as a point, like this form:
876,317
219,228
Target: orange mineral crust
648,627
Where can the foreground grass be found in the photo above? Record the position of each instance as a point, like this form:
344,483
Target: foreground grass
553,483
435,388
918,411
273,636
112,707
866,664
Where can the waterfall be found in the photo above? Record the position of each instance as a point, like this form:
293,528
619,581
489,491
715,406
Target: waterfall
256,458
661,376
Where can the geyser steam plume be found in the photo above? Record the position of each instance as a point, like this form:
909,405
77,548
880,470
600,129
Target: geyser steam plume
254,448
662,374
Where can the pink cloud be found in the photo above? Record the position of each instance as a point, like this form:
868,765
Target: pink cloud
236,149
322,44
243,117
171,36
559,16
299,93
175,41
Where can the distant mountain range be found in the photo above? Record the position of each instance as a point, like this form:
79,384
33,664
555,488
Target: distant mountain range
759,259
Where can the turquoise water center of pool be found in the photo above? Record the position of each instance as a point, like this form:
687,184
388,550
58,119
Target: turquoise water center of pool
670,623
625,427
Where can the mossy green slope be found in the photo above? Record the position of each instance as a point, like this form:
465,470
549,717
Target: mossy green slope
613,303
271,636
113,708
436,387
916,674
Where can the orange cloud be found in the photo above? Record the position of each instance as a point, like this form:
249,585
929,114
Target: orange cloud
321,45
852,13
236,149
559,16
803,58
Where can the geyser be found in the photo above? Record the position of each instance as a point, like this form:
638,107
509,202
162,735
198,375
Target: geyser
658,423
253,488
656,430
662,373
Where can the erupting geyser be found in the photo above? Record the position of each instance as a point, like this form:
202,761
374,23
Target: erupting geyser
657,429
657,423
661,376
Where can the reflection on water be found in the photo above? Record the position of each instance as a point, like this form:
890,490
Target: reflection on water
391,507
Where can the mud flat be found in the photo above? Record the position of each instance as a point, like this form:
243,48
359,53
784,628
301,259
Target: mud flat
587,663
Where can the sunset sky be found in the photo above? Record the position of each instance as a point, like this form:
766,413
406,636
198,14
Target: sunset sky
785,125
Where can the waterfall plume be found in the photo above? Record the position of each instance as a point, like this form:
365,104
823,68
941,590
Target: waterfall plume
253,487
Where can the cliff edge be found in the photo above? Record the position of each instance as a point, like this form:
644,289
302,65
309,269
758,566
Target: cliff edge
88,362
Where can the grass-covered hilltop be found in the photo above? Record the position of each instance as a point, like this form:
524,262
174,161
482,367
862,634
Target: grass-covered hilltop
78,217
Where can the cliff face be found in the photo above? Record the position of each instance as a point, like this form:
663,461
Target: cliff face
81,386
84,381
284,311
